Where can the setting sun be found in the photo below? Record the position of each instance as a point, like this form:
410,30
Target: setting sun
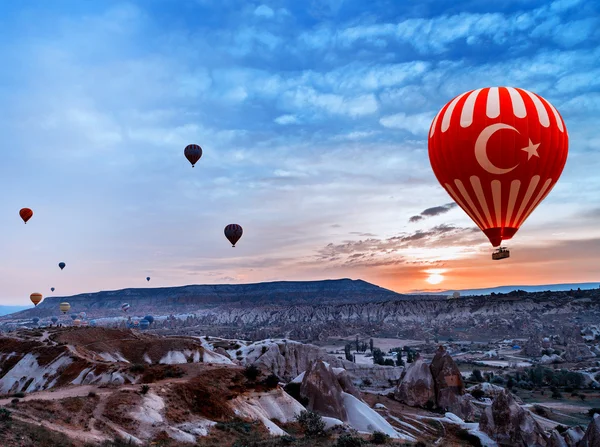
435,278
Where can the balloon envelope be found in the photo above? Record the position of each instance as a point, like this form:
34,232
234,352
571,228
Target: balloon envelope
35,320
54,319
64,307
52,289
233,233
35,298
73,317
93,323
125,307
62,265
25,214
77,322
149,318
192,152
147,278
498,152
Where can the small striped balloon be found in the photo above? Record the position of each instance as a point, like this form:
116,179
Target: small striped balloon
233,232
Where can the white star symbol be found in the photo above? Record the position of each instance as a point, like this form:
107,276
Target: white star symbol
531,150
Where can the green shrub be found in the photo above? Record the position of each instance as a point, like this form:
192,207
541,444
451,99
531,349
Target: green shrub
251,372
477,394
312,424
5,415
379,438
271,381
347,440
137,368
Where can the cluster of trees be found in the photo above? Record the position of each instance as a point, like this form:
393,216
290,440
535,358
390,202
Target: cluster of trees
378,354
534,377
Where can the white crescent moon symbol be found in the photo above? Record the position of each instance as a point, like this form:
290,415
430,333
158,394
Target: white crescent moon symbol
481,149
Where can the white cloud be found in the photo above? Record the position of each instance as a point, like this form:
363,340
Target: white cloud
264,11
304,97
286,119
415,124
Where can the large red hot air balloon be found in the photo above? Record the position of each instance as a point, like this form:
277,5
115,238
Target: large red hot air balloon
192,152
25,214
498,152
233,232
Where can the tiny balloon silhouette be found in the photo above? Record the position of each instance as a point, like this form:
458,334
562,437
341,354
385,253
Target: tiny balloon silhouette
193,152
26,214
233,233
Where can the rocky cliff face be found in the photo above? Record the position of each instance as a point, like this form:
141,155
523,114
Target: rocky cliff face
592,434
323,391
438,385
417,388
287,359
509,424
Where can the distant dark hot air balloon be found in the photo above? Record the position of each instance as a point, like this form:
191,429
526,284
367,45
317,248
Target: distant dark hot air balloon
149,318
35,298
147,278
25,214
74,317
52,289
35,320
54,319
62,265
193,152
233,232
92,323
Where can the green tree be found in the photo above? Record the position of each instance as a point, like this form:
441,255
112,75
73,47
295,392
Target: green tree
348,352
378,358
399,361
371,344
476,376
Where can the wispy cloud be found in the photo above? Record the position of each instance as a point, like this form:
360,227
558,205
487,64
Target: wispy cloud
434,211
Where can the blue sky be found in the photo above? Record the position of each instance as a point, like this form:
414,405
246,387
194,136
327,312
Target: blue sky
313,118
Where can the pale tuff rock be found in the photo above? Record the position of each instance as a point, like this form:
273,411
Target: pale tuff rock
573,436
592,434
289,359
449,386
576,352
417,387
509,424
556,440
323,391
